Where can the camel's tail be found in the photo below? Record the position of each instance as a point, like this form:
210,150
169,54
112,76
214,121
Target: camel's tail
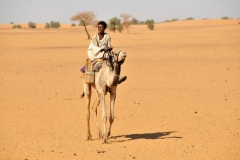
82,95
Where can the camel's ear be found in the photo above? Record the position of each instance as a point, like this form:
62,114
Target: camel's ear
116,52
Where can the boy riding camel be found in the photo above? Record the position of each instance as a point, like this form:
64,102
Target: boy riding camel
100,43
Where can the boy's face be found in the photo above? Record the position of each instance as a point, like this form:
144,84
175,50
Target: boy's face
101,29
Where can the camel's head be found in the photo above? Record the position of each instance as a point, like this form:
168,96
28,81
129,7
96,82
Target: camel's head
119,57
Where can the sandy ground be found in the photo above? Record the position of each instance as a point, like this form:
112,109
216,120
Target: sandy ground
180,101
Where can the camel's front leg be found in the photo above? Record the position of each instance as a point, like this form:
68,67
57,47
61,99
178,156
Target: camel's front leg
87,92
112,101
101,95
94,108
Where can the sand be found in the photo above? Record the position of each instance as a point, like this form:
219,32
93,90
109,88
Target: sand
180,101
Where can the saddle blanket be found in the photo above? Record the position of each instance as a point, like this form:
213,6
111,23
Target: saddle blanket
97,65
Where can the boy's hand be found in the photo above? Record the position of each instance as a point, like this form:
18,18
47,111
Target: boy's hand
107,49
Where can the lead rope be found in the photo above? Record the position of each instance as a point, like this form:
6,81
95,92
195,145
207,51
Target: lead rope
111,61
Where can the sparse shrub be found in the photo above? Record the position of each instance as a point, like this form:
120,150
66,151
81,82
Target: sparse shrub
16,26
12,23
189,18
135,21
238,22
31,25
174,19
47,25
225,17
166,21
141,22
150,24
115,24
73,25
54,24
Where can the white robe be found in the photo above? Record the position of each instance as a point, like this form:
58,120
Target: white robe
96,45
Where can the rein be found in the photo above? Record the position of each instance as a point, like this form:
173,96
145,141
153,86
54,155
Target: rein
111,59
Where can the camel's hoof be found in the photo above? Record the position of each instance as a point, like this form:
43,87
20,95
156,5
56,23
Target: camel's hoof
106,141
100,137
89,138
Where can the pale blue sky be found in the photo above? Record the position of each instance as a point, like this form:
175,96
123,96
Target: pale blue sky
42,11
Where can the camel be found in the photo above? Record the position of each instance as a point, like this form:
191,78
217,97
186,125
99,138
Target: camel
106,80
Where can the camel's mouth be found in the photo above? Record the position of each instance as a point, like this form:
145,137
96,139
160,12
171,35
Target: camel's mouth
121,57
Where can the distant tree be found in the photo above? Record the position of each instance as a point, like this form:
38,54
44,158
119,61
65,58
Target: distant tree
95,23
73,25
84,18
135,21
47,25
225,17
115,24
150,24
189,18
31,25
127,21
12,23
16,26
141,22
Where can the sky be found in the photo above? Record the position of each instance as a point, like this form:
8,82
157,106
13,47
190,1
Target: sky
43,11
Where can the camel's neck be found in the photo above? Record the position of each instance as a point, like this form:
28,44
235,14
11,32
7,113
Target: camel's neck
117,69
110,75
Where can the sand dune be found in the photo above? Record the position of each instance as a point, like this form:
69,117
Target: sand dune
180,101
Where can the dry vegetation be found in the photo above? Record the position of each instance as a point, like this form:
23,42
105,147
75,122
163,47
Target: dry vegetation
127,21
85,18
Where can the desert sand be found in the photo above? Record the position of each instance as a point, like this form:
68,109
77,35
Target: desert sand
181,99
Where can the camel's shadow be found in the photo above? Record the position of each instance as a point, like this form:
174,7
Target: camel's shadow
156,135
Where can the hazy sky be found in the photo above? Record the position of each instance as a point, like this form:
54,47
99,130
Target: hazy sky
42,11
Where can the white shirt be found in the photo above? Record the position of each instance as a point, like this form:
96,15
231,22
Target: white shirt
93,49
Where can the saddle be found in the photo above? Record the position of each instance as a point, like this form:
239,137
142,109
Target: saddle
92,67
89,75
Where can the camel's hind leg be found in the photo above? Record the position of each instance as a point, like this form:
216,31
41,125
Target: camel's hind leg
112,101
94,108
87,92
